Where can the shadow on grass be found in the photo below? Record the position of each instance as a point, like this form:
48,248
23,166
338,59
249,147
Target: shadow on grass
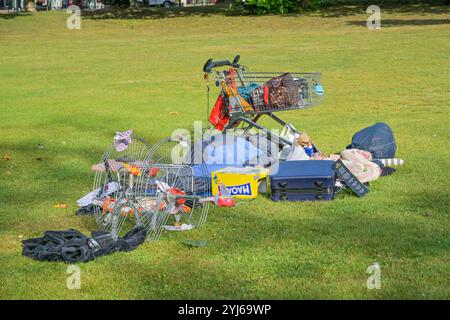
12,15
400,23
224,10
345,11
160,13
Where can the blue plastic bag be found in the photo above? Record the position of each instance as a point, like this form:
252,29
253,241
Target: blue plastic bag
377,139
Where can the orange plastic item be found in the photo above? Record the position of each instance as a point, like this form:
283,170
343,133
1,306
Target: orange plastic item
176,191
225,202
135,171
107,204
186,209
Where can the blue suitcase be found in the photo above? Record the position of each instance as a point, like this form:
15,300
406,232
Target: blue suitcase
306,180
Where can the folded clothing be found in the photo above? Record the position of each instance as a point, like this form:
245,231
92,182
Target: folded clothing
246,91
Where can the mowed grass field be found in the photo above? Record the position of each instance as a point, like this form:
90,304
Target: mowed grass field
69,90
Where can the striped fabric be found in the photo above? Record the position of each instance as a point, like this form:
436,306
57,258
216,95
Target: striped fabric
392,162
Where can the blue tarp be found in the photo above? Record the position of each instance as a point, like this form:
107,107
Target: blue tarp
235,151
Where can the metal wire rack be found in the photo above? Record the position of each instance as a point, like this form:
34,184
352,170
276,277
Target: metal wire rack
248,95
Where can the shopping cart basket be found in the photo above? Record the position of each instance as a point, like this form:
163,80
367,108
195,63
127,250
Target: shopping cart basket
246,96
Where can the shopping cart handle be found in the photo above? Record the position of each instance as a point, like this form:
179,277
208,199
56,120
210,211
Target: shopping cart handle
210,64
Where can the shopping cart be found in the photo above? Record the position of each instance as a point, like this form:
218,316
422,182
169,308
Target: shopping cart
246,96
142,185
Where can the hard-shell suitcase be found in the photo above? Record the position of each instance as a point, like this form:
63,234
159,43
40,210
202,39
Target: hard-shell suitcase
304,180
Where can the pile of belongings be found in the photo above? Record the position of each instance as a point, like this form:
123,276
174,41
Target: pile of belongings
308,175
367,157
365,160
71,246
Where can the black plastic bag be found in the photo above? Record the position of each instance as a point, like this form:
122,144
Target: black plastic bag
71,246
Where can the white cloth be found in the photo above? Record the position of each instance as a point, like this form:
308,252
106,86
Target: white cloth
89,198
298,153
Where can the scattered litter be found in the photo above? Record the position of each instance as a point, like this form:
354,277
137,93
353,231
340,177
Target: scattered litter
40,146
183,227
144,185
7,157
122,140
223,197
88,199
195,243
87,210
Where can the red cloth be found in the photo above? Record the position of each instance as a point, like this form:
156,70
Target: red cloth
231,79
266,95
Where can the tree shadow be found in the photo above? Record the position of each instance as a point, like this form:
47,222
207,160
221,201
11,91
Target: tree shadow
345,11
334,11
12,15
224,10
160,13
399,22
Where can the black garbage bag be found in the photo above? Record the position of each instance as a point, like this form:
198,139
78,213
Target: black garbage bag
132,239
71,246
48,248
378,139
89,209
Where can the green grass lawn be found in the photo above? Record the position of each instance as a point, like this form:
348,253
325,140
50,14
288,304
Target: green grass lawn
71,89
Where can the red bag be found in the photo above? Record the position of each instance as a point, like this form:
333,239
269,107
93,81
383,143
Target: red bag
217,118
